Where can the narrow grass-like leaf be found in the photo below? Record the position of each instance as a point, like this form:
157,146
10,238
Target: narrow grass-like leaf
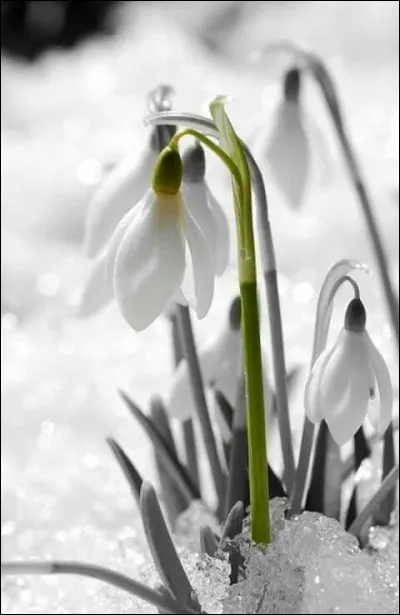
208,541
361,451
238,478
324,494
130,472
177,471
203,415
385,509
172,497
189,440
135,588
162,548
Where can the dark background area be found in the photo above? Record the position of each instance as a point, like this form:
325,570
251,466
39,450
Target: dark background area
30,28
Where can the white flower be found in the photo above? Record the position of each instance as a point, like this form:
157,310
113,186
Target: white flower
205,207
296,151
157,252
345,377
288,152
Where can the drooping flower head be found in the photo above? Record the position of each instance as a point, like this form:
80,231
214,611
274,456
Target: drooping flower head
158,251
344,379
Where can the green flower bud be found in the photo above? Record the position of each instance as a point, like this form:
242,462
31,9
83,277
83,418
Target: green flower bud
167,175
356,316
292,85
194,163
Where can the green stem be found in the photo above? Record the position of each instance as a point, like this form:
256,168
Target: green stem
259,503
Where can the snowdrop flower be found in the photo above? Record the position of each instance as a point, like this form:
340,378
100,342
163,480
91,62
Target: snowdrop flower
345,378
296,147
219,363
204,206
122,188
158,251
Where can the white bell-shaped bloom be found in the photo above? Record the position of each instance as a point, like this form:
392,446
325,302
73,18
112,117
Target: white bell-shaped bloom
345,377
205,207
158,250
294,150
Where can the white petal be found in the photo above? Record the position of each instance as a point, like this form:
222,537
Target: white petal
121,190
123,225
288,153
222,235
97,292
321,154
198,283
337,373
196,201
347,413
385,388
312,401
150,262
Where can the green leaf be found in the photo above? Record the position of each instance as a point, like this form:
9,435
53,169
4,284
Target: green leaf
171,496
231,143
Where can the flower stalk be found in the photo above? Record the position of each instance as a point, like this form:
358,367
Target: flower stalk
270,279
233,157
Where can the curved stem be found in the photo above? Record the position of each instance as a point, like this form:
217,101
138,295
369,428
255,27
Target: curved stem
386,487
311,62
222,155
337,275
270,279
121,581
